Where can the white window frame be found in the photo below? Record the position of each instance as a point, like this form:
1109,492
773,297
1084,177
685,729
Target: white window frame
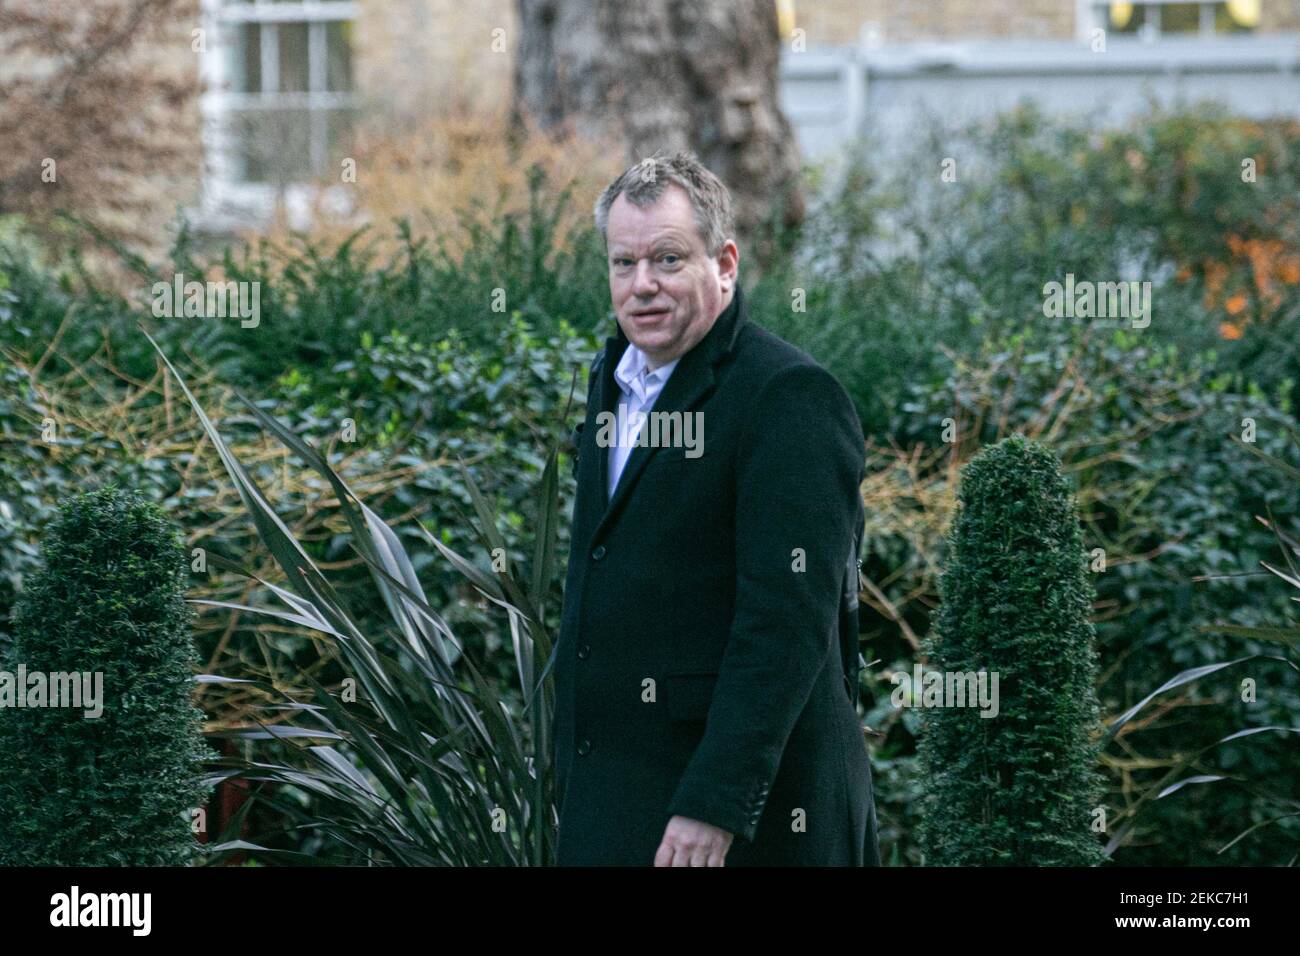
1090,15
228,202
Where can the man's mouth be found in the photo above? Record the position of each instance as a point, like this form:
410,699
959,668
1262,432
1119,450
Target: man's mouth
650,315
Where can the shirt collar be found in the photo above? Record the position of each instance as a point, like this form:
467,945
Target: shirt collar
633,366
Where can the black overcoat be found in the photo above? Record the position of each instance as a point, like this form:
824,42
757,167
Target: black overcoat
697,670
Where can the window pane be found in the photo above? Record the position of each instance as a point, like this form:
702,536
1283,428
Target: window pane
1236,17
274,145
1180,18
293,57
338,61
246,59
1125,17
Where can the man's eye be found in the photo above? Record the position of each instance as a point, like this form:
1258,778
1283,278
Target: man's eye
670,259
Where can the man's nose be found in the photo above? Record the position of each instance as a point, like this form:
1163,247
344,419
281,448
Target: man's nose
645,283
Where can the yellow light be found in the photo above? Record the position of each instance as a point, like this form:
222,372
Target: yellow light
1120,15
785,17
1244,13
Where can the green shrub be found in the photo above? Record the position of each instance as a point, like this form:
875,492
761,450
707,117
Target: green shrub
118,788
1017,786
317,300
35,474
417,405
1151,438
900,267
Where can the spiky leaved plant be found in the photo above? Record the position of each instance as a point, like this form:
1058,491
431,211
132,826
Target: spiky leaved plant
425,764
1022,787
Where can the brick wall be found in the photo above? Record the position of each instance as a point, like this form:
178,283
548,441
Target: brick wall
138,203
1279,15
839,21
416,56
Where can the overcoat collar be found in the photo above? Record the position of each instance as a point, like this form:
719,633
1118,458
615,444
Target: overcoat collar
689,384
715,344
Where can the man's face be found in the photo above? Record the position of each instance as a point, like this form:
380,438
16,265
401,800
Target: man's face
666,289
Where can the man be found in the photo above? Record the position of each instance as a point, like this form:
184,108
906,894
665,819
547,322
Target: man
701,713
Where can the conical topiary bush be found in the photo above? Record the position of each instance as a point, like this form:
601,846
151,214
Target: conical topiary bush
117,788
1019,788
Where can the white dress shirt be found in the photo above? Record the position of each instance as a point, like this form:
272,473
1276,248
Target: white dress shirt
640,389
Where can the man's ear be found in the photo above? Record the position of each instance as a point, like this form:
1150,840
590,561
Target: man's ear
729,264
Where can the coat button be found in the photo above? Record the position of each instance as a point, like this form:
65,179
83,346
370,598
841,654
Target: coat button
599,553
584,747
584,651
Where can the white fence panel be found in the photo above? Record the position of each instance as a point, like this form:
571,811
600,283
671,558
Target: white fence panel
836,94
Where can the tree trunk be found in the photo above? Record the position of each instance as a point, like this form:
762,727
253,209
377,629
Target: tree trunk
670,75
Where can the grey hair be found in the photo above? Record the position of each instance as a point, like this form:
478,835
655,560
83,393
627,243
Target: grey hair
645,182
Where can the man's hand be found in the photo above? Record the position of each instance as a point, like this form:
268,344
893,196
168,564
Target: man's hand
690,842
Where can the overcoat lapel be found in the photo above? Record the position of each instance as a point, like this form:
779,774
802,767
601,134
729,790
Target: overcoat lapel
691,382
